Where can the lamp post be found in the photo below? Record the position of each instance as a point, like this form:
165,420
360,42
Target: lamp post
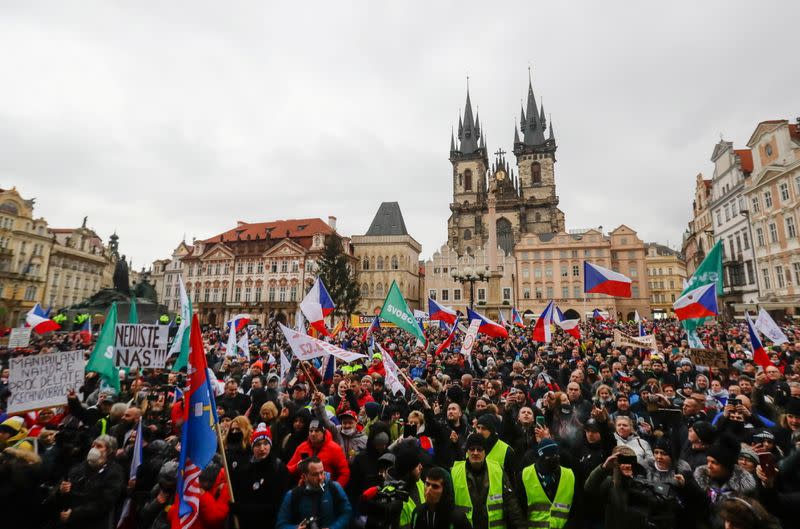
471,276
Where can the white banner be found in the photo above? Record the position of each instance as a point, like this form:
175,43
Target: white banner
43,380
392,378
140,345
767,326
644,342
305,347
469,339
19,337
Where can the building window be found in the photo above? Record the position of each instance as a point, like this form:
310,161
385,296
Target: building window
481,294
395,263
225,294
206,294
779,278
237,294
445,295
260,267
379,290
365,264
548,271
432,294
250,267
784,191
565,292
766,278
564,271
768,199
467,235
719,218
214,294
756,205
468,180
271,293
759,237
284,266
791,231
727,213
549,292
576,271
751,278
456,294
796,267
247,293
506,294
633,272
282,294
258,294
526,293
734,208
536,173
635,291
295,266
773,232
30,293
379,263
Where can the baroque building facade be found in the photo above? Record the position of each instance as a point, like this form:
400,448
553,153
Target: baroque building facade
699,236
526,200
666,272
386,253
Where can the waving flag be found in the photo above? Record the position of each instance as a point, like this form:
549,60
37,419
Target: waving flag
698,303
86,331
198,438
639,322
38,320
440,312
449,340
133,312
392,373
597,315
328,369
599,280
101,360
760,356
516,319
571,327
503,320
541,331
316,306
230,347
136,461
244,346
339,327
767,326
487,326
239,321
180,344
374,326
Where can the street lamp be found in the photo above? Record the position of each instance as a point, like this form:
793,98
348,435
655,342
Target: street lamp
471,276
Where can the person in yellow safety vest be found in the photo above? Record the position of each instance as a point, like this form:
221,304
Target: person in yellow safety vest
408,468
496,450
163,319
483,491
438,511
549,489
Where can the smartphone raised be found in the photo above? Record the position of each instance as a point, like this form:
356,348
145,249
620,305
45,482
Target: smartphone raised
767,462
540,420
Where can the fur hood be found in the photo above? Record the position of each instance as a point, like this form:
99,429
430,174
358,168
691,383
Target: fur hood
740,481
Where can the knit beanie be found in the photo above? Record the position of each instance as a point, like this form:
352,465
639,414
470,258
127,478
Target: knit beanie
793,406
547,448
663,443
261,433
405,460
705,431
475,440
726,451
372,408
488,421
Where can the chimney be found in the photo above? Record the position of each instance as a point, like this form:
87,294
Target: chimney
240,223
332,222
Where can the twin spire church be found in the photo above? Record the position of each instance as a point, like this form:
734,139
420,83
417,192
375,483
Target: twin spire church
526,200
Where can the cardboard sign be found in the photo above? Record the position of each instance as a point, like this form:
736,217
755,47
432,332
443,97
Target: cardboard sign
644,342
42,381
705,357
469,339
141,345
19,337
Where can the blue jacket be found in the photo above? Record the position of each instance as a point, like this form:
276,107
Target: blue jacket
333,513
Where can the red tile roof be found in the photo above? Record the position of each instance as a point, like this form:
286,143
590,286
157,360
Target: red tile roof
297,228
746,157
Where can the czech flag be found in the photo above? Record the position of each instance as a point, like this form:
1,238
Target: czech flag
487,327
440,312
86,331
374,326
516,319
599,280
541,331
597,315
760,356
38,320
571,327
239,321
503,320
698,303
449,340
316,306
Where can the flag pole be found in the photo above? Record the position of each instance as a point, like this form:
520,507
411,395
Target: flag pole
308,376
413,386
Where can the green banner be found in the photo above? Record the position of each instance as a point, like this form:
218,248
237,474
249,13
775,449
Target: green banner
133,315
395,309
709,271
102,359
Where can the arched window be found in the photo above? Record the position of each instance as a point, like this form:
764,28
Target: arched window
468,180
505,235
379,290
364,290
395,263
365,264
537,216
467,235
379,265
536,173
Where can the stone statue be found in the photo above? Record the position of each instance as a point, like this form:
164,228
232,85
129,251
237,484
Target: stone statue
121,282
144,290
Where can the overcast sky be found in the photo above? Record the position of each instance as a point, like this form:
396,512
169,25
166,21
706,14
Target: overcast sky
159,119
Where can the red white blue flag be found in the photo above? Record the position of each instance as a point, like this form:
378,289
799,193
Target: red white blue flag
37,319
760,356
541,331
571,327
440,312
516,319
700,302
487,326
316,306
599,280
449,340
239,322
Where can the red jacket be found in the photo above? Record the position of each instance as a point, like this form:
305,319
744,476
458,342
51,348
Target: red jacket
331,455
213,509
377,368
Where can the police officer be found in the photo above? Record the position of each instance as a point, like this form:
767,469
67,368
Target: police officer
549,488
483,491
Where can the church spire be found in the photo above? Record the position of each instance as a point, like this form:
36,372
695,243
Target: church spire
471,132
541,116
516,135
452,141
552,136
532,129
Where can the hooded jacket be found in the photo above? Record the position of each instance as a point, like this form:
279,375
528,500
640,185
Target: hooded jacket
331,455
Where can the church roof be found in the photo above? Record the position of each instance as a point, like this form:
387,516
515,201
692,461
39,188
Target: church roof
294,228
388,221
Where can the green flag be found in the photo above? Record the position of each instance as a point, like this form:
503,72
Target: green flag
395,309
709,271
180,345
102,359
133,314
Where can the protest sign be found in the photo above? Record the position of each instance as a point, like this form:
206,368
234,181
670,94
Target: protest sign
705,357
469,339
644,342
19,337
43,380
140,345
306,347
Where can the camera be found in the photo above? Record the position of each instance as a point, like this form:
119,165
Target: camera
311,522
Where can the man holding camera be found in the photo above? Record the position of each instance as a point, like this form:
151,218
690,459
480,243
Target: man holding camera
316,503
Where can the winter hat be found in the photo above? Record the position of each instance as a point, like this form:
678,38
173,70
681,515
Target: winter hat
405,460
315,423
547,448
372,408
662,443
761,435
592,425
455,394
748,452
705,431
475,440
387,460
793,406
488,421
12,425
261,433
347,413
726,451
381,439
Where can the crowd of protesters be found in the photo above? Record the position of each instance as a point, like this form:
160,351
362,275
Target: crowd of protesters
577,434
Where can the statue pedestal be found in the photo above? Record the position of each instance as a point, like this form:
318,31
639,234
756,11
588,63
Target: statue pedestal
494,300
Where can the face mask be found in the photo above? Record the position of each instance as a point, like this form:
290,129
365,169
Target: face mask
235,437
94,457
348,431
566,409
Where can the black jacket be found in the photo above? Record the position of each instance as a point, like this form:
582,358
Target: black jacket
260,487
93,497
